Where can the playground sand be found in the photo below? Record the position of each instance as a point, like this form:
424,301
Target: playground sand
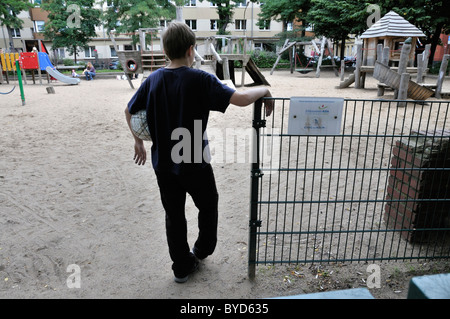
71,197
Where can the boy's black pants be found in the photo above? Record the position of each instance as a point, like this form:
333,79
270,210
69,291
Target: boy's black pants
201,186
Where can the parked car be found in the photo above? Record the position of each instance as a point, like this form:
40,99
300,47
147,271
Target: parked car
114,65
350,61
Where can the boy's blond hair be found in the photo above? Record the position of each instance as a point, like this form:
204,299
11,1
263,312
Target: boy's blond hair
177,38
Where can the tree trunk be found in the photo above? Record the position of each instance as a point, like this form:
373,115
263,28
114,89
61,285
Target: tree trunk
434,43
343,48
75,53
11,41
303,28
179,14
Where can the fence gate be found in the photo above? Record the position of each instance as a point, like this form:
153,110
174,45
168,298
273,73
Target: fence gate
374,187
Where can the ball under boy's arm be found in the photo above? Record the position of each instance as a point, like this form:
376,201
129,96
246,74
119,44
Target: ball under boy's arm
140,153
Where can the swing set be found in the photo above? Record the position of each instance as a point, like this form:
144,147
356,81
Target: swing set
303,70
293,56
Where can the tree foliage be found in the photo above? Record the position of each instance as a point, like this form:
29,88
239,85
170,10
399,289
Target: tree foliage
225,10
285,10
431,16
130,15
71,23
338,19
9,9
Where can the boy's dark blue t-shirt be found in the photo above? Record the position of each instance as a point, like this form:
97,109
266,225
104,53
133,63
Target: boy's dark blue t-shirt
178,102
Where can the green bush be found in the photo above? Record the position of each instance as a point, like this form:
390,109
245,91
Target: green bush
437,67
264,60
68,62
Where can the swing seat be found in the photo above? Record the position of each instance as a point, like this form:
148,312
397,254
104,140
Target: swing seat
304,71
9,91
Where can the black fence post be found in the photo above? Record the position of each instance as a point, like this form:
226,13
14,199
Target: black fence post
258,122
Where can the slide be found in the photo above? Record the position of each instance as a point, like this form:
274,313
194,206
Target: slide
347,82
255,74
384,74
61,77
46,65
44,61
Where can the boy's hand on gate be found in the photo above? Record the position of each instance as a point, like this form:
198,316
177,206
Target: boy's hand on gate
269,106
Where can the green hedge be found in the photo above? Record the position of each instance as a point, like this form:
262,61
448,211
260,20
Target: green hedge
265,60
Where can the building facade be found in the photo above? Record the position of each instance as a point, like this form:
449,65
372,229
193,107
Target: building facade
201,16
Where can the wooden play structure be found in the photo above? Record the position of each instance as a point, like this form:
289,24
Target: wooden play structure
222,65
8,64
388,54
318,50
145,61
32,61
141,61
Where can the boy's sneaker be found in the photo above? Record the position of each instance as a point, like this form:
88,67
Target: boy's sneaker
183,279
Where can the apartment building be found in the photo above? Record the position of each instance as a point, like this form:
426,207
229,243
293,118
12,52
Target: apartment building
201,16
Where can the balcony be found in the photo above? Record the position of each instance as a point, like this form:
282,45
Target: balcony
37,14
38,35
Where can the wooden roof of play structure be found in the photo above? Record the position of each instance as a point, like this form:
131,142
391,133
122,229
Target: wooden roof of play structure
392,25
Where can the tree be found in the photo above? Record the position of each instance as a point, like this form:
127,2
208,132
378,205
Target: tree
71,24
286,11
431,16
130,15
337,19
9,9
225,10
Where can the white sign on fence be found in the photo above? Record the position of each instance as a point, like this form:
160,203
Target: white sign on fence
315,116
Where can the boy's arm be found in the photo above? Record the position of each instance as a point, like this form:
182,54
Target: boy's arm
248,97
140,153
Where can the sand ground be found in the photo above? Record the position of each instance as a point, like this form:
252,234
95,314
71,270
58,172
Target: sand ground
70,194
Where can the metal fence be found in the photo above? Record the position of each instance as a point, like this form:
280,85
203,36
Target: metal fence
376,190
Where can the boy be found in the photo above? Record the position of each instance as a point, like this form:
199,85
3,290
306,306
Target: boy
179,97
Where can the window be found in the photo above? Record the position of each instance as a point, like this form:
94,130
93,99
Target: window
60,53
241,3
190,3
213,24
15,33
264,25
39,26
240,24
192,24
289,26
113,51
89,52
164,23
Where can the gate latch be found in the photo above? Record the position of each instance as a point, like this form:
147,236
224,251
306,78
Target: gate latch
259,123
255,223
257,173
